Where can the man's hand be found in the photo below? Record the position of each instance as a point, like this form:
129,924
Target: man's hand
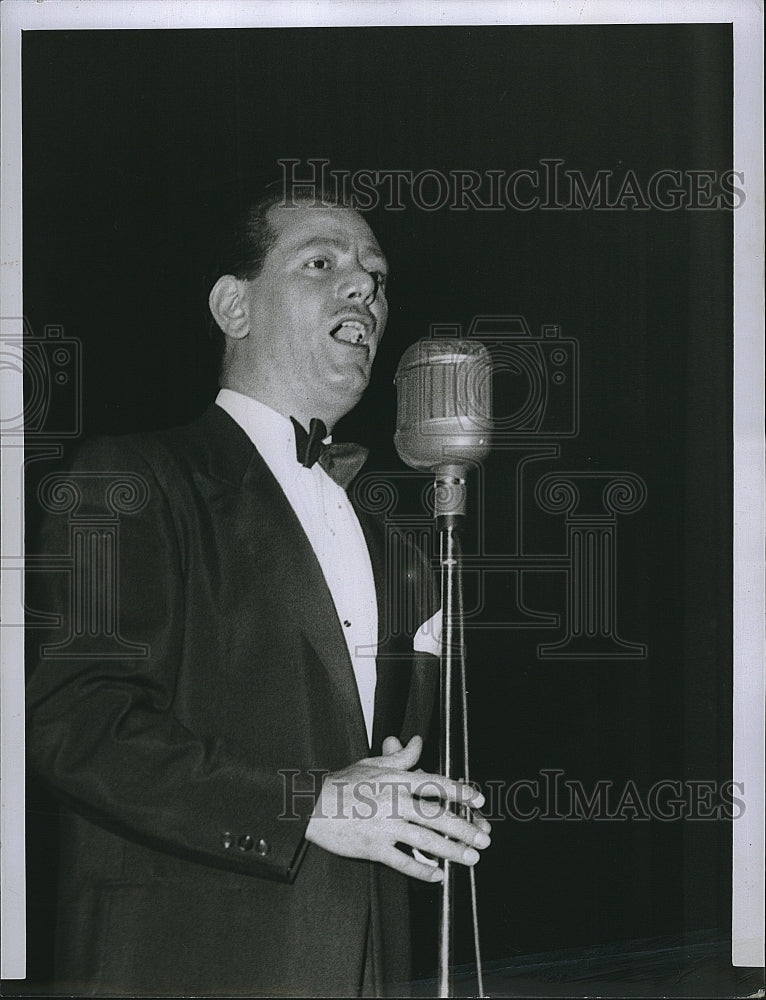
368,808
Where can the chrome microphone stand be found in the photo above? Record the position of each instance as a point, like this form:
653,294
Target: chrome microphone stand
444,421
449,508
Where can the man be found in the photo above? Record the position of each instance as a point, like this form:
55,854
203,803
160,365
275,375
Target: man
236,822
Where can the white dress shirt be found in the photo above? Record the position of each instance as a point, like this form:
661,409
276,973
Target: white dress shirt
332,528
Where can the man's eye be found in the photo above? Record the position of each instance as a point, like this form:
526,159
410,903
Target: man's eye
319,263
380,278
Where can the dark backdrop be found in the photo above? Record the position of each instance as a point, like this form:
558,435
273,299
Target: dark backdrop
132,142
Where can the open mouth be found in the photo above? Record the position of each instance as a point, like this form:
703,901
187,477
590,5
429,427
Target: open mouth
352,332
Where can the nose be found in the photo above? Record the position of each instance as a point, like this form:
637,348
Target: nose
358,285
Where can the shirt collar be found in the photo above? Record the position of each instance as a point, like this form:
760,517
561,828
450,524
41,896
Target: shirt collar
271,432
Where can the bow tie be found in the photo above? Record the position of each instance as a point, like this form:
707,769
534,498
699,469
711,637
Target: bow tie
340,461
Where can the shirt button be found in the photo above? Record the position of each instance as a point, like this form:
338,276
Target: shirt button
263,847
245,843
228,840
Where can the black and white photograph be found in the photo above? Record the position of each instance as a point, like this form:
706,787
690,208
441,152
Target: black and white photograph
382,447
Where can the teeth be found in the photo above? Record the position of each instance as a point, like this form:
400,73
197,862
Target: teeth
350,332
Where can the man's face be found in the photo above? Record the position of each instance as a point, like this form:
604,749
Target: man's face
316,311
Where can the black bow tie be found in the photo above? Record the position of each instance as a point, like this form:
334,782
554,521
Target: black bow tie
340,461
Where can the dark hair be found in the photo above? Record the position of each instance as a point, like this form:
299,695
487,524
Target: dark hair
247,236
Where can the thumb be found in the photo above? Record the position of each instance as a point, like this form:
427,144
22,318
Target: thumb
406,756
391,745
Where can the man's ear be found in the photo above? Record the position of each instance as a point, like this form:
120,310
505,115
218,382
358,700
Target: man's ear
227,309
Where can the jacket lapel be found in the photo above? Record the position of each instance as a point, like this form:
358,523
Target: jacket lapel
238,462
394,660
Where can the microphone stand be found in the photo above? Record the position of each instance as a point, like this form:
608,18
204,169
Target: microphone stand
449,509
443,425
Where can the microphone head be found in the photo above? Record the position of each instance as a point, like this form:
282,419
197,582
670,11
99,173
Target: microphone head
444,404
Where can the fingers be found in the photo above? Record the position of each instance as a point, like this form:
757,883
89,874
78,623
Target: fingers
426,785
433,843
478,820
391,745
398,761
422,784
474,818
447,824
436,786
409,866
403,758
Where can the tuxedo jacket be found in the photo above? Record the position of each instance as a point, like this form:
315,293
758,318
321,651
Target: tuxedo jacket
188,745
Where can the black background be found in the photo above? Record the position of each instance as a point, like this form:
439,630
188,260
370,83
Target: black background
134,139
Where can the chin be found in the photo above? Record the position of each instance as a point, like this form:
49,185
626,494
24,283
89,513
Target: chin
352,378
345,394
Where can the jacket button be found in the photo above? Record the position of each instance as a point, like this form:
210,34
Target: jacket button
227,840
245,843
263,847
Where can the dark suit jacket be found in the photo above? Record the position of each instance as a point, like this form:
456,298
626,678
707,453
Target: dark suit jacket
184,867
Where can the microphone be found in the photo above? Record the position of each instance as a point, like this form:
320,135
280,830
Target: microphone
444,415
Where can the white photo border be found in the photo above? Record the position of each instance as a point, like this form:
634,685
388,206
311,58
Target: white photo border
746,16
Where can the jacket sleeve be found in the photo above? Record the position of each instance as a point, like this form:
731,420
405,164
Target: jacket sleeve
101,726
